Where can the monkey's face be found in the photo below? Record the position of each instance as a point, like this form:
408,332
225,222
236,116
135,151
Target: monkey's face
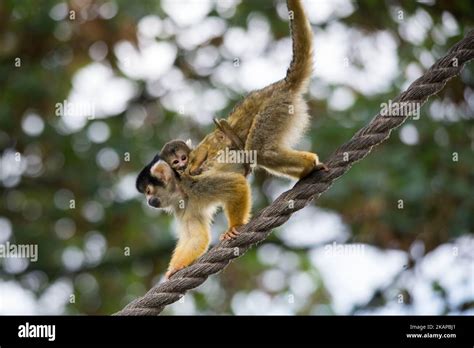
179,161
159,184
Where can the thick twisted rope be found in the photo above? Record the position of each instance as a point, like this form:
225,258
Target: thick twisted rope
307,189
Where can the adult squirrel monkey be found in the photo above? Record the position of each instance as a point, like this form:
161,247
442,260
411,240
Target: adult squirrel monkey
268,121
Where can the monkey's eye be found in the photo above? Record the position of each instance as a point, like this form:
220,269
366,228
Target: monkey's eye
148,190
183,158
175,162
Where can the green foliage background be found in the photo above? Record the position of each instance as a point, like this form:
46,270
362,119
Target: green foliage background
437,192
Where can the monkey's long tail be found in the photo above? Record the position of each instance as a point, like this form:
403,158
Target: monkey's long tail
299,72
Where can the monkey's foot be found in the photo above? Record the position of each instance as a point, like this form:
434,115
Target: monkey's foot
321,166
172,271
230,234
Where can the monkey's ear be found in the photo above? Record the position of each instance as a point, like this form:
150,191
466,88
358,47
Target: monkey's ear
189,143
162,171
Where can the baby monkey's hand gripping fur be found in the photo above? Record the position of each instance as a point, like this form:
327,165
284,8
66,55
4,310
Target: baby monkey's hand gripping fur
193,200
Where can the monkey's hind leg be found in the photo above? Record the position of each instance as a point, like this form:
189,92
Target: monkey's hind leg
237,209
292,163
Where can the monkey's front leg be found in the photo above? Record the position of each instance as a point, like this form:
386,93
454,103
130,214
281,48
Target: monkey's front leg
193,242
237,207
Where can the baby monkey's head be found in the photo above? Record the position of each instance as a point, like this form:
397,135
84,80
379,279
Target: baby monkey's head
176,154
159,183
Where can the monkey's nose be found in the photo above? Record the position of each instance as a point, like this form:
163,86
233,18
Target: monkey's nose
154,202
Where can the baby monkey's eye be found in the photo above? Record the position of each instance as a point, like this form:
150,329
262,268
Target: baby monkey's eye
148,191
183,158
175,162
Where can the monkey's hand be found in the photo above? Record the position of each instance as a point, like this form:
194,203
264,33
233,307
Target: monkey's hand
172,271
231,233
